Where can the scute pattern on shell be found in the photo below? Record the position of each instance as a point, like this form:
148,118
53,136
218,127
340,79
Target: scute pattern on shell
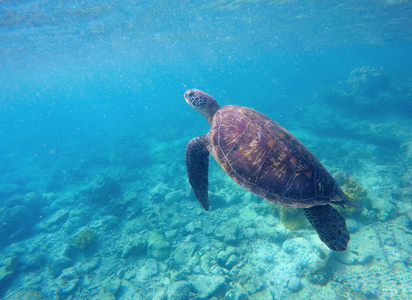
263,157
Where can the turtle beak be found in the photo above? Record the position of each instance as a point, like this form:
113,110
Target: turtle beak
190,95
187,96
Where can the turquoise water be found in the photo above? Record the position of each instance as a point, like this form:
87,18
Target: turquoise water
94,197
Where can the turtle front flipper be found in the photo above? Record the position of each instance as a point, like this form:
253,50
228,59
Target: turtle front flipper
197,164
330,226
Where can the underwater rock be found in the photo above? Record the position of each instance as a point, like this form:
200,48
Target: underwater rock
27,294
385,209
34,202
91,265
133,204
177,221
6,274
170,234
367,82
207,260
126,290
137,245
54,221
157,246
134,226
161,294
16,222
228,231
177,276
150,269
67,281
254,285
276,234
57,264
403,222
320,276
294,285
369,290
262,294
16,218
402,194
184,252
105,190
228,258
365,247
109,286
59,200
289,246
129,274
208,286
158,193
13,201
198,270
191,227
250,234
235,295
33,259
179,290
232,261
68,250
174,196
307,257
250,279
105,223
221,199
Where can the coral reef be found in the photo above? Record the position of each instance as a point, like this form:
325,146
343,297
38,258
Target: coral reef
350,186
292,218
353,190
85,240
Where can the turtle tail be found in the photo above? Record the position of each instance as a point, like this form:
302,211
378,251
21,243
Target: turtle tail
345,201
330,226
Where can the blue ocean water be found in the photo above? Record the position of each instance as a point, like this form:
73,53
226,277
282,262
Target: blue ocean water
94,197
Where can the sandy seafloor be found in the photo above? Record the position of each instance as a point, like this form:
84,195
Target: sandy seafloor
94,197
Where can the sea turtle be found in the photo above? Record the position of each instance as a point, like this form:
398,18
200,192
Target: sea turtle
267,160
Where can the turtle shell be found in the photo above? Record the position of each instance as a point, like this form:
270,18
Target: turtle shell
266,159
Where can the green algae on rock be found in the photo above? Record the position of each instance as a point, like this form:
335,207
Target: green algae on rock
85,239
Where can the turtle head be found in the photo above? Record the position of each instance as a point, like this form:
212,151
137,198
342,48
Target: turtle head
202,103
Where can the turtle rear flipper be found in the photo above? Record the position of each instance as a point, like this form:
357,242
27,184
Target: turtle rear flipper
330,226
197,164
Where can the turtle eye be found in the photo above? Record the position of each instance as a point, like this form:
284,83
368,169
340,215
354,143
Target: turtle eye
191,94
